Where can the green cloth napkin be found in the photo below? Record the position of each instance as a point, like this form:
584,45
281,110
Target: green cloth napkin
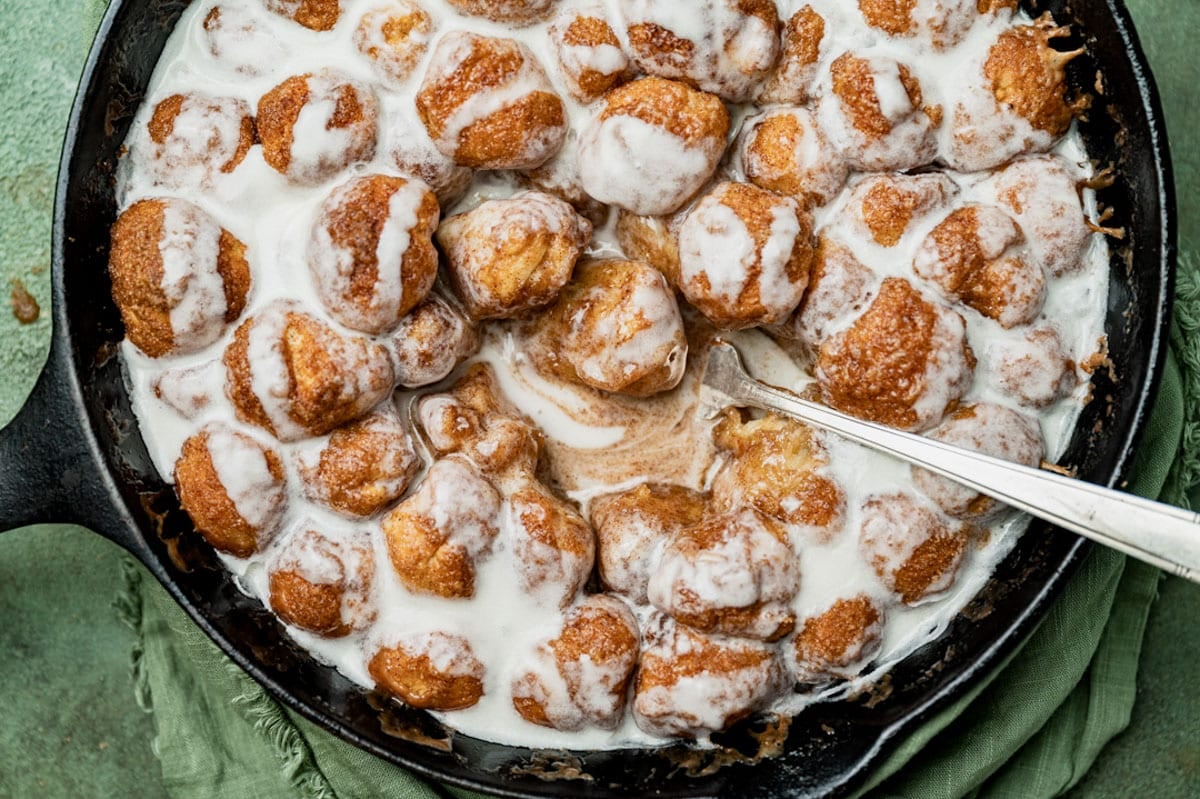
1031,730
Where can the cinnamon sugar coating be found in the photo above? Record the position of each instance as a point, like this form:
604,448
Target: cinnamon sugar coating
589,54
977,255
431,671
838,286
188,308
942,23
487,103
792,80
473,418
317,15
904,363
785,151
745,255
227,128
580,677
509,257
737,50
371,252
436,536
431,341
916,552
322,584
876,110
653,240
346,133
838,642
512,12
394,38
734,574
690,684
240,513
554,548
365,466
775,465
887,207
319,379
616,328
1029,76
653,144
632,527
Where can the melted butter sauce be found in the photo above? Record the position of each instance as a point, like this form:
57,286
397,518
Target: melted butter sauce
596,444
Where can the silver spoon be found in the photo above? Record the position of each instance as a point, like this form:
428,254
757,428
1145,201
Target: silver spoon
1159,534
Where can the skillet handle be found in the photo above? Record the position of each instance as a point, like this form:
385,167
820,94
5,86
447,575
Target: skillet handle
50,469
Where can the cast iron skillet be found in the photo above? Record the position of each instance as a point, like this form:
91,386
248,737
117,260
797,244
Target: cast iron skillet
74,454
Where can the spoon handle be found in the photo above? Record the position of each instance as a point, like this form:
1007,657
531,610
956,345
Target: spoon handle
1162,535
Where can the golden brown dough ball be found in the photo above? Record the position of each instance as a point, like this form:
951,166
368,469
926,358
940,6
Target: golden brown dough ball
733,574
774,466
796,71
322,583
474,419
589,53
517,13
838,642
1034,369
233,487
580,677
437,535
241,41
194,138
885,208
297,377
785,151
553,547
744,256
178,277
394,38
690,684
508,257
1028,76
652,145
616,327
726,47
653,240
632,527
874,107
989,429
431,341
1043,194
914,551
487,103
316,125
839,288
317,15
977,255
905,362
371,253
942,23
364,467
431,671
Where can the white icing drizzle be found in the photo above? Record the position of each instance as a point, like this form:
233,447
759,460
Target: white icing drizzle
195,292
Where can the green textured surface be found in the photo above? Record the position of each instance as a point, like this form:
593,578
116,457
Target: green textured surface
66,684
71,726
